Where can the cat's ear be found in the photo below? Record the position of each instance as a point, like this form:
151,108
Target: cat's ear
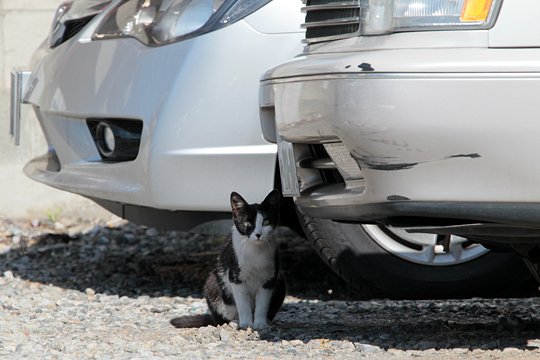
272,199
237,203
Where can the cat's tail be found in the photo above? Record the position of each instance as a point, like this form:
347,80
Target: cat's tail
193,321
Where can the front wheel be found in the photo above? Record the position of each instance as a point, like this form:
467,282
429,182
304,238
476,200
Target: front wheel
390,263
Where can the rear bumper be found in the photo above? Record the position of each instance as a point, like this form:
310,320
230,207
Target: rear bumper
427,127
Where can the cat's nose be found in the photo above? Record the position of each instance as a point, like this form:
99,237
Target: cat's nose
258,236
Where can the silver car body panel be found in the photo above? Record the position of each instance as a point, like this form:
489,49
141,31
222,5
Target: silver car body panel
198,102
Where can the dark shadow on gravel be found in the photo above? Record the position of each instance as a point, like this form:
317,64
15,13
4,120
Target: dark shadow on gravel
133,260
414,325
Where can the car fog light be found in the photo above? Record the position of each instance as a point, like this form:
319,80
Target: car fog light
116,139
106,141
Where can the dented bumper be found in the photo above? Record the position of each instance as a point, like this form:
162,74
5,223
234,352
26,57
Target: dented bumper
433,126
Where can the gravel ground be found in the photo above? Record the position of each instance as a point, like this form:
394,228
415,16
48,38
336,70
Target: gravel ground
107,289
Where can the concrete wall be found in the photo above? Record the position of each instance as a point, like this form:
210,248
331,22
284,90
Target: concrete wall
24,24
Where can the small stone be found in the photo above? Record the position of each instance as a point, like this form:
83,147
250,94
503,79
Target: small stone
16,240
58,226
460,350
4,248
103,240
90,292
151,232
423,345
224,336
534,343
10,347
367,348
92,231
129,237
510,350
8,274
209,332
35,223
15,231
115,222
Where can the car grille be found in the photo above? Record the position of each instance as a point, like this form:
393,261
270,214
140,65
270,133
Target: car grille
331,19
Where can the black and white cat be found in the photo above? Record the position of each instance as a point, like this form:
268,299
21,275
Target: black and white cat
246,284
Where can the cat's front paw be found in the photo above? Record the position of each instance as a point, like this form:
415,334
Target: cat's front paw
245,324
260,324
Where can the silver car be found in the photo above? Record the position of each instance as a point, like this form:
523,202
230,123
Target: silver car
150,108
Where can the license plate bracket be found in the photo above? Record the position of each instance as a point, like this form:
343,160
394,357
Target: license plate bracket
287,168
19,85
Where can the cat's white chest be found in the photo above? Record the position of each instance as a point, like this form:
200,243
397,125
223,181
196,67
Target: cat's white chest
256,261
254,275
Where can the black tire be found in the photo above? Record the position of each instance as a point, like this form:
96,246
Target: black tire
373,272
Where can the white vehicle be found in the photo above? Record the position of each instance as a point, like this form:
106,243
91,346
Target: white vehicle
151,108
406,123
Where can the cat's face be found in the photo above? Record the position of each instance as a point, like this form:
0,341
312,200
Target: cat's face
255,221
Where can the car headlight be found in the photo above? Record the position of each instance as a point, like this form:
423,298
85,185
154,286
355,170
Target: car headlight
387,16
160,22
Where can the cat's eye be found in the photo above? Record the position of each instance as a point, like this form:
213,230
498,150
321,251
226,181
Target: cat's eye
266,222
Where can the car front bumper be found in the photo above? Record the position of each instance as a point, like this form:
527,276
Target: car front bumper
197,100
432,130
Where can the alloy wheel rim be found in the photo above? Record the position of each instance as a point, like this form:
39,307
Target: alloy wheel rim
425,249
